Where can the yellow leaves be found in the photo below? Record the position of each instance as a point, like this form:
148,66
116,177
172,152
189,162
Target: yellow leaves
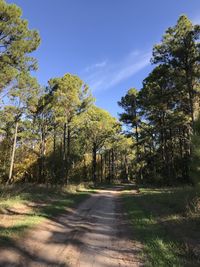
22,166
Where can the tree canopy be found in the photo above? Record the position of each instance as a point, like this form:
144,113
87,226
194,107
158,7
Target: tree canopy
56,134
17,41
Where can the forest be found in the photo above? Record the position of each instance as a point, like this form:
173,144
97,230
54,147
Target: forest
56,135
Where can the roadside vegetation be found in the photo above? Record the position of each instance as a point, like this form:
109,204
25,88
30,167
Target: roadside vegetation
166,221
23,207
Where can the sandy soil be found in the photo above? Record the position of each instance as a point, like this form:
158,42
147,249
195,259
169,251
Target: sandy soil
94,235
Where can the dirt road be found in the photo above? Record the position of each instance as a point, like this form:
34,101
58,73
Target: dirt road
94,235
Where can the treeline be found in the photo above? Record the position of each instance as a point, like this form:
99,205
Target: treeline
164,113
54,134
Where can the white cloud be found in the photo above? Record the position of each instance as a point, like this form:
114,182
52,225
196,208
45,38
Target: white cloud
96,66
104,75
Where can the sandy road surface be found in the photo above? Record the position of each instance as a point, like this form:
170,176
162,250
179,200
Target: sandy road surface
94,235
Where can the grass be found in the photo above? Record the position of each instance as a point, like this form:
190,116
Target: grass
165,223
22,208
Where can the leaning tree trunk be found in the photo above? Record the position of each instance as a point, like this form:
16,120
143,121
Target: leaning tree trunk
13,153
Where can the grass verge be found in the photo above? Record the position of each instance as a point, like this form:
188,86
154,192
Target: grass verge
164,223
23,208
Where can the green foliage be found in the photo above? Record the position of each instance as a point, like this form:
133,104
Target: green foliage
56,134
70,97
159,218
16,42
161,116
195,160
99,125
130,105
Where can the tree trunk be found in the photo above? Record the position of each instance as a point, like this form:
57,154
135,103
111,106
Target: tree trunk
105,165
190,89
54,142
109,167
126,167
54,152
41,178
64,154
85,169
137,141
94,162
13,153
68,152
101,168
113,163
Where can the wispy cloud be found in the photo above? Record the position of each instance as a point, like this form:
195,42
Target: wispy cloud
104,75
95,66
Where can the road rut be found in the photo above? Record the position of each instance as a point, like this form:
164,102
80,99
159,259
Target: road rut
96,234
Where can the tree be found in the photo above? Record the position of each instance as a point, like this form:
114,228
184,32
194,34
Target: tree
23,96
167,106
16,43
195,162
179,49
99,126
131,118
71,96
123,156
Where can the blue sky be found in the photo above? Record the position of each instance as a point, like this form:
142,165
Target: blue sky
108,43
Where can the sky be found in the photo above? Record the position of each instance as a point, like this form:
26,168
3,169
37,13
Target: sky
107,43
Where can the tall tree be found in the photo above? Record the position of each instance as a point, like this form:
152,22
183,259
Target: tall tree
99,126
180,49
131,118
23,95
17,41
71,97
168,104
